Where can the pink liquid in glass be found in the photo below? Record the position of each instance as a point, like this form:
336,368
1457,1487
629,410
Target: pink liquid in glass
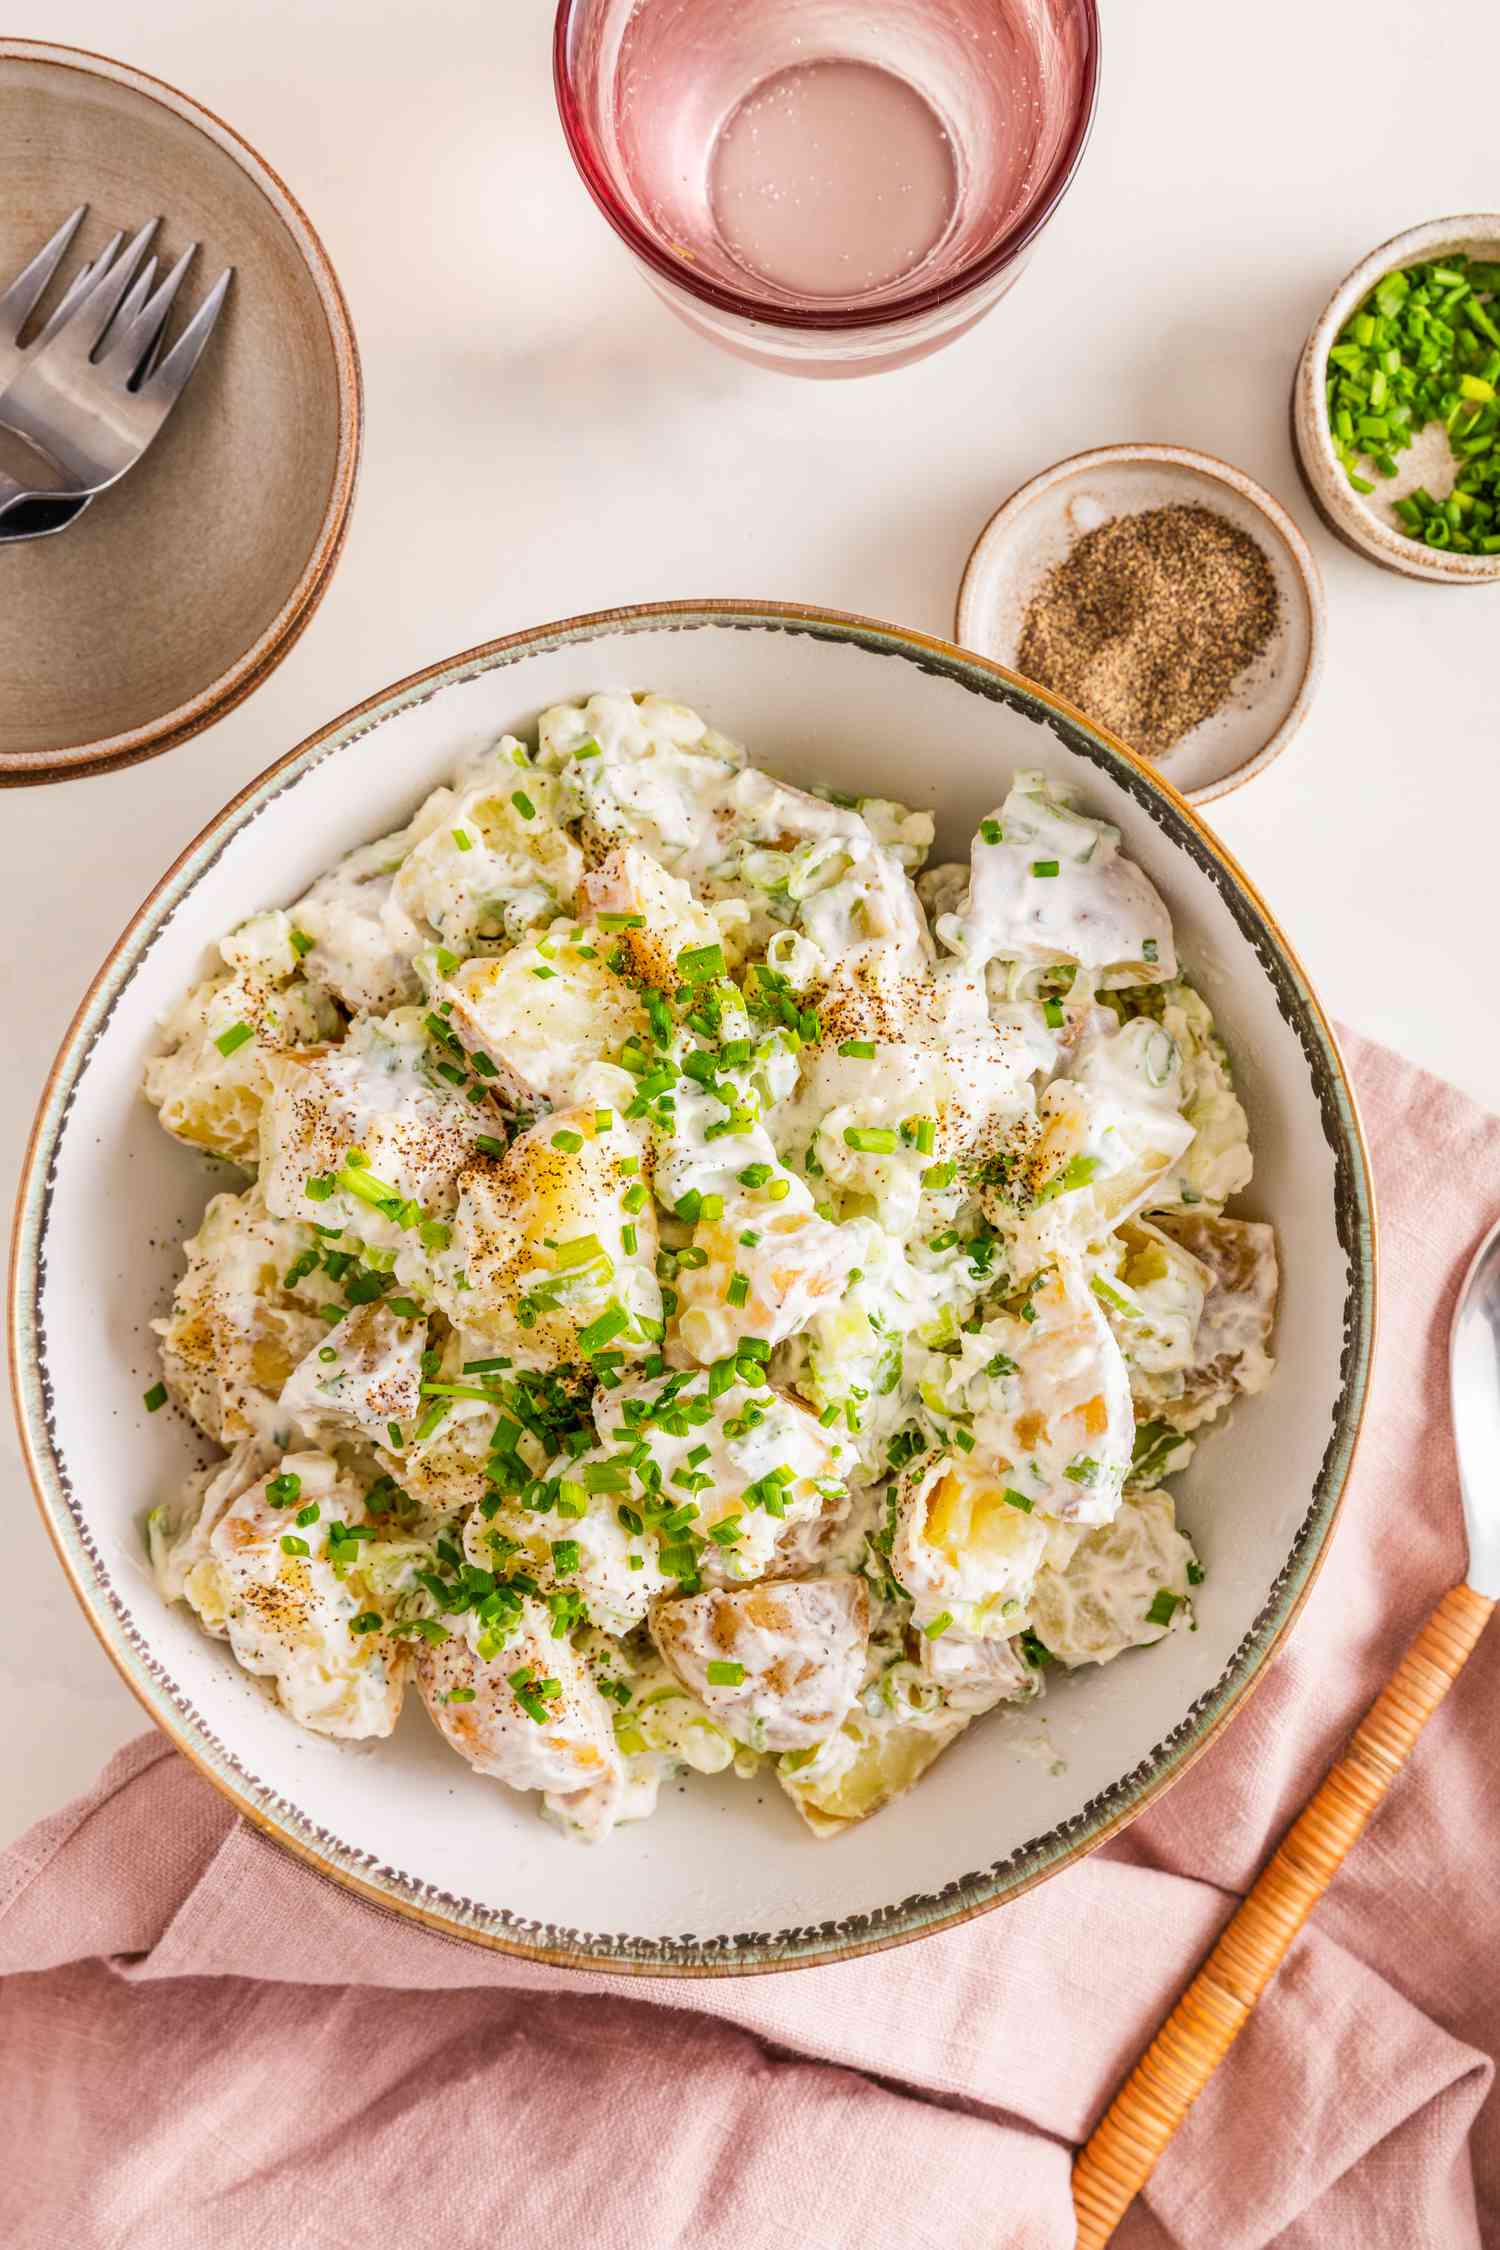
827,185
832,179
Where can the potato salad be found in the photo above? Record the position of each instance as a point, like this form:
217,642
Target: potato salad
697,1292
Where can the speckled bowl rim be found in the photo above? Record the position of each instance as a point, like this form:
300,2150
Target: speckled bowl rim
265,653
1303,561
1327,486
744,1952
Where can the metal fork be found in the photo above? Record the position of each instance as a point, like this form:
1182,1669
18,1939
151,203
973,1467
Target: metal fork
38,519
88,397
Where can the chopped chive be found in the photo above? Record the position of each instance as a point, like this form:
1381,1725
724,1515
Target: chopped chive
234,1037
283,1490
1045,867
861,1050
302,944
463,839
612,1322
1163,1604
940,1175
155,1398
1014,1499
991,831
487,1145
738,1292
292,1545
701,964
581,1250
872,1140
523,804
723,1673
621,921
1052,1014
938,1624
568,1141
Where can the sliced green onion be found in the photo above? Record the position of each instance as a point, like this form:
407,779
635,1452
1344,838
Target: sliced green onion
701,964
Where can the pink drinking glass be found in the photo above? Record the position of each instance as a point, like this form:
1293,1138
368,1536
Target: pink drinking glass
828,187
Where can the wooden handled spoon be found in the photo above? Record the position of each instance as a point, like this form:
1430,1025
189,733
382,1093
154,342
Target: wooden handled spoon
1127,2143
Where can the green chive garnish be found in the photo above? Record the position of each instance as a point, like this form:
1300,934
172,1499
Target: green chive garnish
722,1673
701,964
872,1140
234,1037
155,1398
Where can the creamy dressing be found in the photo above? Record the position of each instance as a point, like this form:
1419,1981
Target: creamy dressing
711,1292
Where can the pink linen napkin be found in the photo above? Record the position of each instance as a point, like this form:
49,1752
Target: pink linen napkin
204,2044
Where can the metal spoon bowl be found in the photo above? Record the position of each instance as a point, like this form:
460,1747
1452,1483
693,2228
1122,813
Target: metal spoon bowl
39,519
1474,1376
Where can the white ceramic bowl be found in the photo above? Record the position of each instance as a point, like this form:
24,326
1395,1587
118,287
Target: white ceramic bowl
724,1877
1033,531
1365,521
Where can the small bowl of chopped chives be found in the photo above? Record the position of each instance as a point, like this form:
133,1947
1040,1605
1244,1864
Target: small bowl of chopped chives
1396,408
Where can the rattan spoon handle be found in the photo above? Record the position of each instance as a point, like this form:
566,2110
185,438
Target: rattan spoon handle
1124,2148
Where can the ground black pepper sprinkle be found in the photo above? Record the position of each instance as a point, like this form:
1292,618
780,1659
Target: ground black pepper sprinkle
1149,620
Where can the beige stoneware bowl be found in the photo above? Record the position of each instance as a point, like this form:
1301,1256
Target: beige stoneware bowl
1031,534
1365,522
181,589
723,1878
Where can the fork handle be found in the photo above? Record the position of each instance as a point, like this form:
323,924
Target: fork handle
1123,2150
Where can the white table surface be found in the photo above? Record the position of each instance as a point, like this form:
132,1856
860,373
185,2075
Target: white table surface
543,438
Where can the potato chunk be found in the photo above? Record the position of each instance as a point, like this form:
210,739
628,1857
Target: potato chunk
528,1714
776,1665
240,1322
554,1246
364,1376
873,1758
300,1603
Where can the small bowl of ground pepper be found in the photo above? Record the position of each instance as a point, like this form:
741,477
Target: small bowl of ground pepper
1167,595
1396,406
